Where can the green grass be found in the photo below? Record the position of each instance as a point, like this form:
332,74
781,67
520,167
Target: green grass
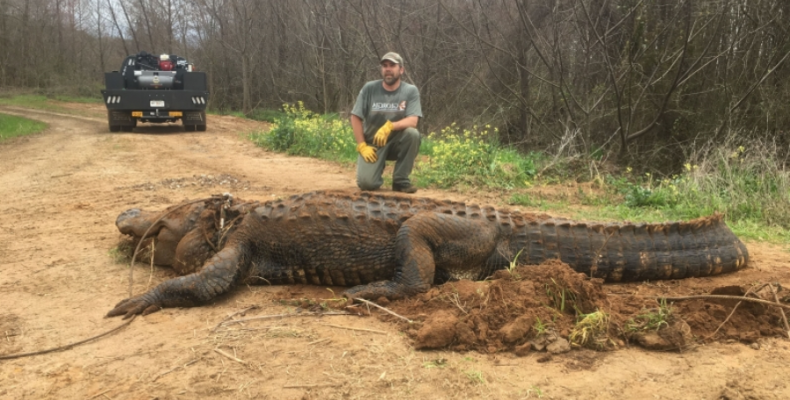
265,115
12,126
78,99
29,101
238,114
746,184
41,102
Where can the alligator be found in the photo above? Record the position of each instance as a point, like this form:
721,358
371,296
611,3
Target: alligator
395,246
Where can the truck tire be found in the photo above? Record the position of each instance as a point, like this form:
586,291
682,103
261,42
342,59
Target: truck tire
129,128
121,121
194,121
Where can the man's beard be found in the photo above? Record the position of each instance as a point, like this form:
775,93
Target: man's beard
391,80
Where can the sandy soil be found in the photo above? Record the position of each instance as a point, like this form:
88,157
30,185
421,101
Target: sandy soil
62,190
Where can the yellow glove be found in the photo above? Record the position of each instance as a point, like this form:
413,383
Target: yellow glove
367,152
383,133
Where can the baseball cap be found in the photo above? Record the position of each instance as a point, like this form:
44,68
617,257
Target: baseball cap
394,57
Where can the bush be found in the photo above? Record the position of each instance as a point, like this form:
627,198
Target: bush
472,157
299,131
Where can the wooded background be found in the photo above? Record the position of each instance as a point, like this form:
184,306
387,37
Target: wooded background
629,80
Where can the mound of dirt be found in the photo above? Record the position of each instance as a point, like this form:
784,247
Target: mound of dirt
527,308
552,308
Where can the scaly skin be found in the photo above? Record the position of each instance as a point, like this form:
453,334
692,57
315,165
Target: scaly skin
395,246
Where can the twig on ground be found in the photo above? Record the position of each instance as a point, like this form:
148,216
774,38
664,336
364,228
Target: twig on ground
229,356
724,297
68,346
784,317
233,315
238,321
319,341
175,368
356,329
308,386
384,309
99,394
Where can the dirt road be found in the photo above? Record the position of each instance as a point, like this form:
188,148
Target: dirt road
61,192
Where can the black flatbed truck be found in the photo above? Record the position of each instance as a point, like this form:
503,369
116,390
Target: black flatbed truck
155,89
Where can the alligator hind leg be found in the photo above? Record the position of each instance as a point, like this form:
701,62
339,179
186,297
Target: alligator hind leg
427,242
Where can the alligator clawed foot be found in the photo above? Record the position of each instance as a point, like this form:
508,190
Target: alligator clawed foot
134,306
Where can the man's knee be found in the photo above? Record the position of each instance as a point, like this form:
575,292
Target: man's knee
368,182
411,135
365,185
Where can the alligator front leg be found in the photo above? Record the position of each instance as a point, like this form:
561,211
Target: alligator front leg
429,241
221,274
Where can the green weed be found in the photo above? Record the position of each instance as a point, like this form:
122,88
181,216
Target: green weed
534,390
513,264
437,363
560,296
540,327
651,320
591,331
475,376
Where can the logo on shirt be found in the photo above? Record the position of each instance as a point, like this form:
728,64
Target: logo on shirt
388,106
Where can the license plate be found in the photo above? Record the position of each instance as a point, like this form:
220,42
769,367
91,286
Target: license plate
157,103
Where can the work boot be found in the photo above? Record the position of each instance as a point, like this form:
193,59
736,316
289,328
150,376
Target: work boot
407,188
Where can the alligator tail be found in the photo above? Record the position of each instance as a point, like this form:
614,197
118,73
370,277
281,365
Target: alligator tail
628,252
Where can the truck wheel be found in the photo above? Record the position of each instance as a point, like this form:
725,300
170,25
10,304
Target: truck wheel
115,128
200,128
189,128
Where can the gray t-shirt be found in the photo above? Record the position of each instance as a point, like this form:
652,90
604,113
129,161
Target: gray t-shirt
375,105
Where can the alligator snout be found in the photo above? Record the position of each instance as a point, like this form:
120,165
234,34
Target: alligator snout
130,223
